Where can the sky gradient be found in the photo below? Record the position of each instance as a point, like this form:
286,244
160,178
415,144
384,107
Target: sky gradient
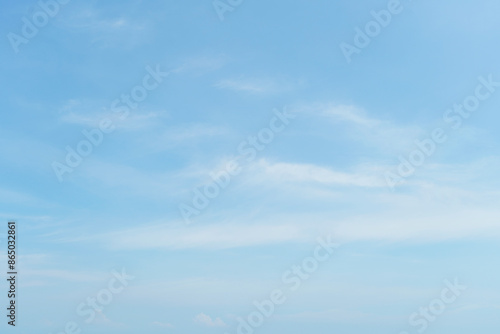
207,148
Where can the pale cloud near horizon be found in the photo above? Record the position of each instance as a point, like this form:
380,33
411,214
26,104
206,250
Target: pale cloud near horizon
388,216
206,320
403,223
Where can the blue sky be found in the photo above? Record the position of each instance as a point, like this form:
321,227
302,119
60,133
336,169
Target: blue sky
323,174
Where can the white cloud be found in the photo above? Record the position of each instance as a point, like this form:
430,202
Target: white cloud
292,172
163,324
63,275
333,315
421,211
349,114
256,85
206,320
379,133
102,320
90,114
389,217
191,131
217,236
121,31
87,18
177,136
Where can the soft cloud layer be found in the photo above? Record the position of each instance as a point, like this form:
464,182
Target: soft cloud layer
206,320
